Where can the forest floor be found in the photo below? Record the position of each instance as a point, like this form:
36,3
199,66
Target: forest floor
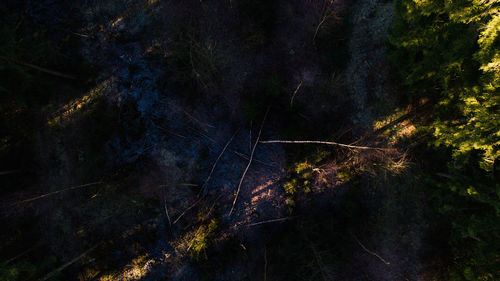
188,107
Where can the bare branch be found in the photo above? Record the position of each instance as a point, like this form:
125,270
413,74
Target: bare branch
269,221
295,92
62,267
166,210
20,255
189,208
326,142
9,172
45,70
212,207
208,178
217,160
319,261
244,156
327,11
56,192
249,162
370,252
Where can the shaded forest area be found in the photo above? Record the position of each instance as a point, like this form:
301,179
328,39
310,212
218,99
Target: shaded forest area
250,140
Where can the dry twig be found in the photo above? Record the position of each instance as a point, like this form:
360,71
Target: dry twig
208,178
20,255
269,221
327,11
2,173
212,207
217,160
295,92
244,156
370,252
326,142
249,163
189,208
56,192
52,273
319,261
166,208
45,70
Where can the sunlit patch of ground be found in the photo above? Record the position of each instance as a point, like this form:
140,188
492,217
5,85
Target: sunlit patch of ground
262,196
66,112
399,124
261,192
396,125
135,270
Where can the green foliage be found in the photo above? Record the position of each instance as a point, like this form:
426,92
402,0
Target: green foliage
302,175
203,239
470,202
448,53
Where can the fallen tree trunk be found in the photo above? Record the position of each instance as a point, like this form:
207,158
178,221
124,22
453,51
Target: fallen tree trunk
325,142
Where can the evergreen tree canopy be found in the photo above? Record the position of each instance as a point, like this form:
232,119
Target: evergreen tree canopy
447,52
